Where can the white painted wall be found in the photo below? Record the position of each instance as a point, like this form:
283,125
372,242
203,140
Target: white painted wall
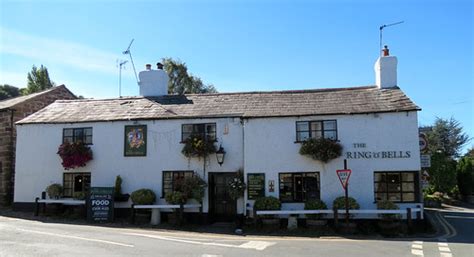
38,165
269,148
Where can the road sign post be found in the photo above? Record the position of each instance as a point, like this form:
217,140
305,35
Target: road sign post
344,179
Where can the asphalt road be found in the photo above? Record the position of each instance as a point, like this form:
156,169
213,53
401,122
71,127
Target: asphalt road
21,237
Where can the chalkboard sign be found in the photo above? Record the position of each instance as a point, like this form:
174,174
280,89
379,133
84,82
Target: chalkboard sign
255,185
101,204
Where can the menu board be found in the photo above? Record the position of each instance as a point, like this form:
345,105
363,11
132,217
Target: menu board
255,185
101,204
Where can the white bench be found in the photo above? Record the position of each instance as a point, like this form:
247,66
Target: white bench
156,213
64,201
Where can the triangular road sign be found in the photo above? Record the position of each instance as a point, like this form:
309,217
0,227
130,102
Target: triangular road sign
344,176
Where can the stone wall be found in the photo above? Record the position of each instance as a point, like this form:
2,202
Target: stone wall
8,135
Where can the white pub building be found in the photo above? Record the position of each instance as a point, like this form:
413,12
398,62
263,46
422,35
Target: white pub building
261,133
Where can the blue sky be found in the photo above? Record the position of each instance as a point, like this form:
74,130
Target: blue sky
248,45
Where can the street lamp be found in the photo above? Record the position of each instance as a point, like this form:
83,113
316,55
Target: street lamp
220,154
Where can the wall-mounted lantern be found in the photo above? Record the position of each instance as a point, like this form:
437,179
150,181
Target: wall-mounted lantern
220,154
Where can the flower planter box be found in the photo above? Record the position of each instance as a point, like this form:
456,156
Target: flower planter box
121,198
142,216
54,209
347,228
270,223
316,223
389,227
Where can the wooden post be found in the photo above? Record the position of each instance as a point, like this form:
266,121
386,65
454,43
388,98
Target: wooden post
409,221
36,206
418,213
336,218
133,213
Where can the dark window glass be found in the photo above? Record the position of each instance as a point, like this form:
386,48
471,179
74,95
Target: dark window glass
316,129
299,187
76,182
206,130
396,186
73,135
170,178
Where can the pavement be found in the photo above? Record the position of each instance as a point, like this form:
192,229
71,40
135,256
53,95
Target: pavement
26,237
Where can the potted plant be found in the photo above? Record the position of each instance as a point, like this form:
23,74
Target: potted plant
179,198
184,189
143,196
118,196
55,191
268,203
198,146
389,224
79,196
74,155
315,219
340,204
321,149
236,189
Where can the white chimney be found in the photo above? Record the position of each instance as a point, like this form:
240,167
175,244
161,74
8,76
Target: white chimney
153,82
386,70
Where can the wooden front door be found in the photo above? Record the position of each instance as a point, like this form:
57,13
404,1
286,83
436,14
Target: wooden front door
221,206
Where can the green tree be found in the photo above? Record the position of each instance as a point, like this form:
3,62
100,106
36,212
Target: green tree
8,91
446,136
182,82
470,152
442,172
465,175
38,80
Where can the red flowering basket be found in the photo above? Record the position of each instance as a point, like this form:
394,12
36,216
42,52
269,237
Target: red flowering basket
74,155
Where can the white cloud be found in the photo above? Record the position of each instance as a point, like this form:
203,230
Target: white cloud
58,51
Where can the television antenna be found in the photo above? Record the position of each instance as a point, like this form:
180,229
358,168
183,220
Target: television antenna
121,64
131,59
381,29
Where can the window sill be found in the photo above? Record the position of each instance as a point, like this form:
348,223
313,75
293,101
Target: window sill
300,142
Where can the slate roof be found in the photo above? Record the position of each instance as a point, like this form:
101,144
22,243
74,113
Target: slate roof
9,103
354,100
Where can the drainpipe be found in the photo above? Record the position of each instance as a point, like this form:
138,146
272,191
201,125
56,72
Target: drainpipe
242,123
12,156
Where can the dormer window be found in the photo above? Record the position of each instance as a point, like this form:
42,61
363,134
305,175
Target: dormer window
316,129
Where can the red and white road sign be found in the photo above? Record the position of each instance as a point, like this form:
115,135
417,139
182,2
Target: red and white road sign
344,176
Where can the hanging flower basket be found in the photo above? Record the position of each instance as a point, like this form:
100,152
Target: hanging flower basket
237,186
321,149
198,146
74,155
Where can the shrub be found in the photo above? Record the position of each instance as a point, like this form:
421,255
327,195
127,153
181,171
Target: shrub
340,203
143,196
176,197
74,155
191,187
321,149
118,186
268,203
79,195
54,191
388,205
465,176
314,205
197,146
